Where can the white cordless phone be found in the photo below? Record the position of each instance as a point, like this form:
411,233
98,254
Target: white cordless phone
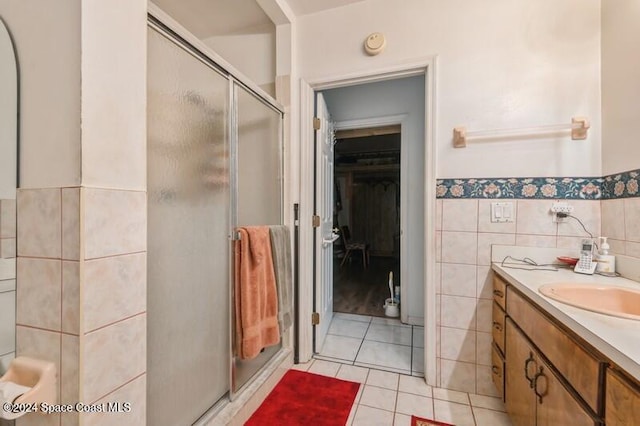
585,264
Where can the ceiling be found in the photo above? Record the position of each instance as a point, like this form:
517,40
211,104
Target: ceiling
209,18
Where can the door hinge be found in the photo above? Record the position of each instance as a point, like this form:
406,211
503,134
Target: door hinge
315,221
315,318
316,123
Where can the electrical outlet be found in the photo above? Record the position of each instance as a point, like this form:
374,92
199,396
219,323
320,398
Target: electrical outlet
561,207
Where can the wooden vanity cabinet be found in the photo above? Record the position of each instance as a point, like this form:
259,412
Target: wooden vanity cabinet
622,400
535,393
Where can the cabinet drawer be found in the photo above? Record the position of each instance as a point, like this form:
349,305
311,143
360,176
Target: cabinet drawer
499,291
497,370
622,401
497,329
579,367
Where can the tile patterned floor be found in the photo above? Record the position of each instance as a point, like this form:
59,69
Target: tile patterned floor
386,356
373,342
389,399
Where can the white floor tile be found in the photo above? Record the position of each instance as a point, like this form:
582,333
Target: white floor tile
417,405
349,328
376,397
353,373
451,395
389,321
417,360
302,367
383,379
450,412
368,416
489,402
418,337
385,355
340,347
352,317
414,385
324,368
352,413
401,420
486,417
389,334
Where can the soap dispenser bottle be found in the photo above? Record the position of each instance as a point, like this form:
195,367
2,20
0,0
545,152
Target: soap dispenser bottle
606,261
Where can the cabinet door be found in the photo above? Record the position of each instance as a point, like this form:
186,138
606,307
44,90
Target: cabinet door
556,406
519,397
623,401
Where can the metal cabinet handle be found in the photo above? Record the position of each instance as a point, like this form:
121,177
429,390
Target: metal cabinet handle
497,325
526,370
535,386
496,370
498,293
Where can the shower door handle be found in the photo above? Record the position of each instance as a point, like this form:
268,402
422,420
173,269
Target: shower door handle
327,241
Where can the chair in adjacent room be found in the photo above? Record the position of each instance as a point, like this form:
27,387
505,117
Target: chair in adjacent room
351,246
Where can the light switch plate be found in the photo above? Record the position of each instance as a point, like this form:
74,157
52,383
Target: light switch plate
502,212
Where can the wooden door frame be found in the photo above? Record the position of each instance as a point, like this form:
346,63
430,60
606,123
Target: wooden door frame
427,67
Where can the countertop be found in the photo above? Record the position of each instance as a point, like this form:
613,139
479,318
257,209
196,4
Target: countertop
617,338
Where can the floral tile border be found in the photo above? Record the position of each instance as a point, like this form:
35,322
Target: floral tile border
619,185
581,188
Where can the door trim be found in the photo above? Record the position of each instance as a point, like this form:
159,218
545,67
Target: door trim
426,66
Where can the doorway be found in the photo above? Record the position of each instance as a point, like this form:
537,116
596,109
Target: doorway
423,186
367,198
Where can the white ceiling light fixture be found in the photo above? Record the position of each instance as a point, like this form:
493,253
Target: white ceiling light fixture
375,43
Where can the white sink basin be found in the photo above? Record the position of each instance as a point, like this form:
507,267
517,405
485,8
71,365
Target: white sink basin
605,299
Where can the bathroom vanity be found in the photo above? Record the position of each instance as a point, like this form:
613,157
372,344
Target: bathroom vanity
558,364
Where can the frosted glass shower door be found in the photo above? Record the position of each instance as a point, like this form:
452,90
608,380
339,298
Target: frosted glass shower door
188,226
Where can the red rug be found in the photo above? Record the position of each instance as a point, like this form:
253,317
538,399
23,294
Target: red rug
302,398
419,421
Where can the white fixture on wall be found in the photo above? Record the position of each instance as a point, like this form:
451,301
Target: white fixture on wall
375,43
560,207
502,212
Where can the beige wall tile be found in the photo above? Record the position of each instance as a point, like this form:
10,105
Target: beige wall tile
458,345
7,218
458,312
39,293
484,218
71,297
534,218
69,370
71,223
39,344
39,223
114,288
570,243
458,280
460,376
616,246
632,249
589,214
134,393
439,215
485,241
632,219
484,282
438,246
114,222
484,381
36,419
438,278
484,315
535,240
459,247
613,219
460,215
112,356
483,348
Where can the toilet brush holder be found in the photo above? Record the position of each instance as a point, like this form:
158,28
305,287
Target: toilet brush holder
391,308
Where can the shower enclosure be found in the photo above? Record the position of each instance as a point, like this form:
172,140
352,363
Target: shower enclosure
214,163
